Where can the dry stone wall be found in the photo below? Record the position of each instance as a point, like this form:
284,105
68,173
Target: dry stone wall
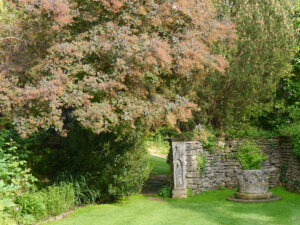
221,168
290,167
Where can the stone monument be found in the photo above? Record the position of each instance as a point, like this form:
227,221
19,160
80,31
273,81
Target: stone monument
253,187
179,170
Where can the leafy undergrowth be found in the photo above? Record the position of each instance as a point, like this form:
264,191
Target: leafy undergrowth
159,165
205,209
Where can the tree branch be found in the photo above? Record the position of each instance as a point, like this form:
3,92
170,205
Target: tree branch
10,37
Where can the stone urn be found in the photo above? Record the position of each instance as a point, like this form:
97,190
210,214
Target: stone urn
253,187
253,184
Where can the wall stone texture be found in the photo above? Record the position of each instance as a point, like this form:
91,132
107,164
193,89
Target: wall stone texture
221,168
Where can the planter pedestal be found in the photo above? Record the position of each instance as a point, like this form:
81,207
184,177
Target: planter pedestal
253,187
252,196
181,193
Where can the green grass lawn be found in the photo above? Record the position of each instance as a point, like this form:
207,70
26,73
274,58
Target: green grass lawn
159,165
205,209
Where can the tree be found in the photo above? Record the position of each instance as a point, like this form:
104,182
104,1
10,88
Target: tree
285,116
114,64
287,101
264,49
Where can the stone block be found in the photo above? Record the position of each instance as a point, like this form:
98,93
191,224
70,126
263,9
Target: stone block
179,193
191,158
192,186
189,153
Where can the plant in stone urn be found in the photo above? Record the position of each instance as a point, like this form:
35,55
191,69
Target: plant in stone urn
249,156
252,179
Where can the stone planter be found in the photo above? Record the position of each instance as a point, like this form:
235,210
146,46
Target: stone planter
253,182
253,187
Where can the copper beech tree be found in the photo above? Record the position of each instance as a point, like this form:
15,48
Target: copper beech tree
113,63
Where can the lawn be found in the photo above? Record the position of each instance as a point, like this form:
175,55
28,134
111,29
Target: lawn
159,165
205,209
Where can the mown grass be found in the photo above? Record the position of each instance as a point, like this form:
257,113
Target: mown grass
209,208
159,165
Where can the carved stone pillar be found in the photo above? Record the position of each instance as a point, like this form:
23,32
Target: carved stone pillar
179,170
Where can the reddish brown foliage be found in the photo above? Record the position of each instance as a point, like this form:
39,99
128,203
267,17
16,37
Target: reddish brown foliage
124,70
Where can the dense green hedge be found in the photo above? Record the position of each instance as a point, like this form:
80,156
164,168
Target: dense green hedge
105,166
80,168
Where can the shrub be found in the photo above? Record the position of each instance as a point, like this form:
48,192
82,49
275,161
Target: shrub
6,199
26,219
59,198
247,131
84,192
8,221
164,132
249,156
6,205
126,175
15,177
201,163
103,167
33,203
13,170
206,136
52,201
165,191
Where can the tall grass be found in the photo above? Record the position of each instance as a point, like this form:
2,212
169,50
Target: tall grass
84,192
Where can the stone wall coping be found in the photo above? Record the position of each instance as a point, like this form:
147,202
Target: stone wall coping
187,139
258,138
182,139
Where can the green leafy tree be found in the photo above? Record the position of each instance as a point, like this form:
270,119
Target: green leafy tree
285,116
264,49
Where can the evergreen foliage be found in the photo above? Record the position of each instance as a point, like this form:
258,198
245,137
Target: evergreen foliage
263,50
101,167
